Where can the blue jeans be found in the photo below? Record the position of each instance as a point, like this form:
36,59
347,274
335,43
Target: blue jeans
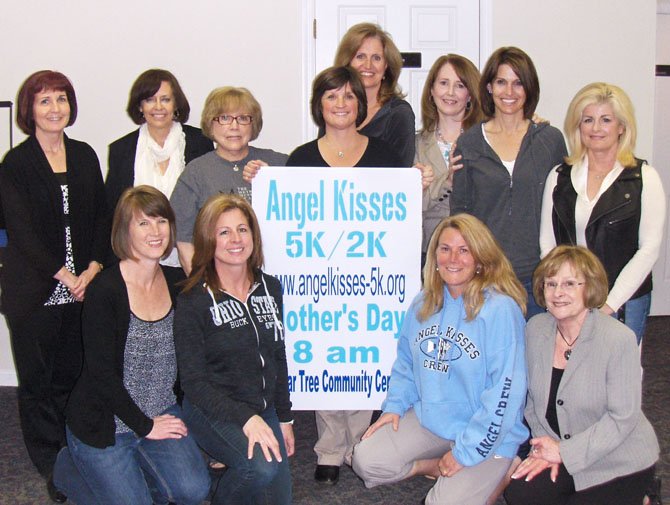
532,308
134,471
246,481
635,315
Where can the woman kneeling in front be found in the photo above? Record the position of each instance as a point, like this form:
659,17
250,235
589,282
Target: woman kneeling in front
126,441
232,359
592,445
453,409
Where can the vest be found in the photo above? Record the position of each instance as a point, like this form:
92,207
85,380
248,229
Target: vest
613,227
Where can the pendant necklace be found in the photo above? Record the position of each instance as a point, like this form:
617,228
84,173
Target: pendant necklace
568,352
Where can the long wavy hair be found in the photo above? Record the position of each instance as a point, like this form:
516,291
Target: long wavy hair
494,271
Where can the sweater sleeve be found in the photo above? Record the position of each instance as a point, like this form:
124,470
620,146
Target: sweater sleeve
100,329
400,132
547,238
461,196
622,412
282,397
184,202
650,237
402,393
502,402
190,346
16,201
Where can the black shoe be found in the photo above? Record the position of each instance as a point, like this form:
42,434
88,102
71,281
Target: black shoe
54,493
654,491
327,474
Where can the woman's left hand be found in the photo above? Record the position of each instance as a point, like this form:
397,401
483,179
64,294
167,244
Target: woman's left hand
289,438
258,432
84,279
448,465
427,174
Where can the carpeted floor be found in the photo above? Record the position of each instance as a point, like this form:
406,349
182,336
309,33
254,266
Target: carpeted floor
21,485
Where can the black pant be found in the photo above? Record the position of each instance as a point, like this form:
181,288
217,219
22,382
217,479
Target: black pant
625,490
47,347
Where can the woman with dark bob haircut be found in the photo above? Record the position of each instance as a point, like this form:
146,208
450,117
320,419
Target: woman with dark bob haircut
232,357
591,443
157,152
506,160
123,421
53,201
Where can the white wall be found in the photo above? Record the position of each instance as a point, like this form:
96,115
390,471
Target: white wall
575,42
102,47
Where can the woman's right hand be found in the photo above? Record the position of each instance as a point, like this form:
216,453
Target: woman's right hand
386,418
69,280
251,169
455,161
167,426
258,432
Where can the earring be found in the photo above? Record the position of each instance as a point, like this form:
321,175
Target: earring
478,270
175,115
468,105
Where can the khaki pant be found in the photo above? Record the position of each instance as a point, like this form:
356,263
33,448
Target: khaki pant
388,456
339,431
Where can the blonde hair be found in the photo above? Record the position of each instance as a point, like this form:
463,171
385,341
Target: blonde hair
352,41
204,241
598,93
494,271
227,99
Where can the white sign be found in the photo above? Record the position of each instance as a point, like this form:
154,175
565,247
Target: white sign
345,244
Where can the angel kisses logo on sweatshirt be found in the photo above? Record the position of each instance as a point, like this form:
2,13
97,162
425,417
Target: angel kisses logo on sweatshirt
443,349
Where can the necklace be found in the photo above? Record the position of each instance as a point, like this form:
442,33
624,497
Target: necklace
340,153
568,352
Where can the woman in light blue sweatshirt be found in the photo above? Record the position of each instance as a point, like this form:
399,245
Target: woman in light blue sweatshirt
454,407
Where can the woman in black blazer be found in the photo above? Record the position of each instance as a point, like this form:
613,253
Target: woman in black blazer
157,152
54,206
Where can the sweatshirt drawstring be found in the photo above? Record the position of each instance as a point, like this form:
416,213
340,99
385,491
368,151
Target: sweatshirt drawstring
279,327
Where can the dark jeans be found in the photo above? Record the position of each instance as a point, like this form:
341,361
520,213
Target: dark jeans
47,348
532,308
246,481
134,471
625,490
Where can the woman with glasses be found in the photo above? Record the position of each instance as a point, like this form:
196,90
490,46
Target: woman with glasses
157,152
591,443
232,118
605,199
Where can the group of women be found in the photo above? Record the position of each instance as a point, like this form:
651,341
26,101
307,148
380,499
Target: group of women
464,370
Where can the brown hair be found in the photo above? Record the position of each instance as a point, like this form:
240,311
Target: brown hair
335,78
226,99
147,85
42,80
494,269
151,202
523,67
351,42
469,76
584,263
204,241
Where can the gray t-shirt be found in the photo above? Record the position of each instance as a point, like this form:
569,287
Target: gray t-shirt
209,175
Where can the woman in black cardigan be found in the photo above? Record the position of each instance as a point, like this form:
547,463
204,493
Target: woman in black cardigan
54,206
123,423
157,152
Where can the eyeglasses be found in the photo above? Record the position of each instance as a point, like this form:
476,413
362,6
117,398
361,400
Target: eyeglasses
565,285
226,119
